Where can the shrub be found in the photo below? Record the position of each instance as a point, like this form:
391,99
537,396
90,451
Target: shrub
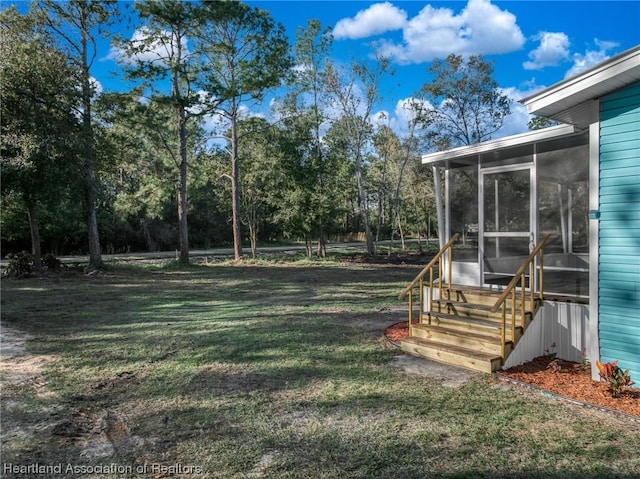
617,378
51,262
20,264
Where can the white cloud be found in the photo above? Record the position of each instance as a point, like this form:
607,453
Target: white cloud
553,48
378,18
380,118
147,49
405,111
402,114
518,120
480,28
590,57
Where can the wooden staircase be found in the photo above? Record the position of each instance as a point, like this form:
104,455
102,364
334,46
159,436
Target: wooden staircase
471,327
462,330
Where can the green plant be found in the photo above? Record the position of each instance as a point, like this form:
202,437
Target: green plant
550,351
617,378
51,262
584,360
20,264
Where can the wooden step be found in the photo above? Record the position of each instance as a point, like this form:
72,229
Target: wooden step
458,308
461,329
472,295
484,326
449,354
490,344
481,296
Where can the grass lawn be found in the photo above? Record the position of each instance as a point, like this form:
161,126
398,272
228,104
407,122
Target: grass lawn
265,370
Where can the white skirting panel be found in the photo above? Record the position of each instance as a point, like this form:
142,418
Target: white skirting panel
467,274
564,324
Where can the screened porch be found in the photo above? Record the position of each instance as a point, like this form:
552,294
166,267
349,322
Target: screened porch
503,196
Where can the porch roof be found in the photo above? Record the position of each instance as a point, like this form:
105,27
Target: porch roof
568,101
513,142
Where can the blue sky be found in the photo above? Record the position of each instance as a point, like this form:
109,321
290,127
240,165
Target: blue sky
532,44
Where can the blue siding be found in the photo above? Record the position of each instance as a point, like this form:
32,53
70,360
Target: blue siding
619,238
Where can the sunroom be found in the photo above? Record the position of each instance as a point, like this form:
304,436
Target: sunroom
514,228
503,196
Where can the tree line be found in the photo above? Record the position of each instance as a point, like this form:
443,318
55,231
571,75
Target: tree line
178,162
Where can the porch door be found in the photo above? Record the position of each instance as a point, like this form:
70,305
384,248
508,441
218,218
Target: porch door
506,221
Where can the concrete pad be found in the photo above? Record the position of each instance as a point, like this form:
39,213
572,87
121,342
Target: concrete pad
451,376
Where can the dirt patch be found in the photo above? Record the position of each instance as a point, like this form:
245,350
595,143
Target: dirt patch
17,368
96,434
566,378
448,376
12,343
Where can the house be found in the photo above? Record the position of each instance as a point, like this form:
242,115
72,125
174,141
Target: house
540,234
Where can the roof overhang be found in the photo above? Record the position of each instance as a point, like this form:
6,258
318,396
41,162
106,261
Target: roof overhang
509,142
569,101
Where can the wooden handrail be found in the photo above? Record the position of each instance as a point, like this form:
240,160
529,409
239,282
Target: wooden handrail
433,261
516,277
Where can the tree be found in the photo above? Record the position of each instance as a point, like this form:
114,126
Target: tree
157,52
299,203
462,105
387,145
38,128
540,122
395,154
76,25
305,108
141,178
259,159
421,199
246,53
355,91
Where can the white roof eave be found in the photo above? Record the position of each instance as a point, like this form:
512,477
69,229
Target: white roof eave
595,82
500,144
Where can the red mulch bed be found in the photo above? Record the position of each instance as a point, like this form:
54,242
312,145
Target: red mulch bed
397,332
566,378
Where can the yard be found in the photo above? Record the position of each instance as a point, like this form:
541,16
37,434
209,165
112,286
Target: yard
265,369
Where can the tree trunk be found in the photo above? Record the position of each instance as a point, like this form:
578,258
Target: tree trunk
363,207
34,227
401,231
235,191
95,255
322,243
181,116
182,188
308,247
396,202
380,206
253,237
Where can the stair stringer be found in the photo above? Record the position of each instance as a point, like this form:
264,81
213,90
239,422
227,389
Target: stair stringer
528,334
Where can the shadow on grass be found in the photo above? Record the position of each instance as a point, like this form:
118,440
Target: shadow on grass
230,363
